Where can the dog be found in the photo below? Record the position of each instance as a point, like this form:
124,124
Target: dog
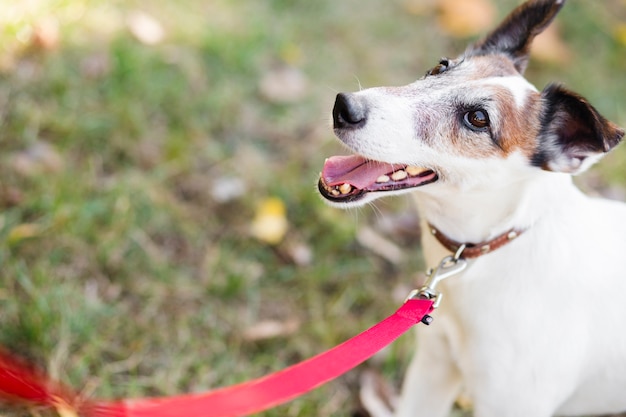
534,326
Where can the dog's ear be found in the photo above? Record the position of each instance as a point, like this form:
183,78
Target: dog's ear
515,34
573,135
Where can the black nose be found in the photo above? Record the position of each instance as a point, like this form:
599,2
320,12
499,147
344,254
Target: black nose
349,111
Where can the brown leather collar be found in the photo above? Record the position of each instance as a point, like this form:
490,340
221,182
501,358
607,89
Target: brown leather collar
474,250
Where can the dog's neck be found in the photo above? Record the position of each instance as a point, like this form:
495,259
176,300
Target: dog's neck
478,215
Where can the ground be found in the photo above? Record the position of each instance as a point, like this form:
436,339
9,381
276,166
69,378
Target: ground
160,231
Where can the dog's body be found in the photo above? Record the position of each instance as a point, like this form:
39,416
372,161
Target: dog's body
535,328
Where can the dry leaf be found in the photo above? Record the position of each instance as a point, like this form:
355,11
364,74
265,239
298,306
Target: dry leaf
377,395
300,253
381,246
38,158
270,329
23,231
291,54
464,401
270,222
463,18
10,196
420,7
226,189
284,84
146,28
620,33
46,34
549,47
63,408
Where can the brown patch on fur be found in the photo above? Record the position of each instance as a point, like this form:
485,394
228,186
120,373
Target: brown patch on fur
471,144
519,126
513,129
492,66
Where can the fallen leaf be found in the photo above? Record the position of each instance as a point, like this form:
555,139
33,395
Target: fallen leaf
284,84
301,254
419,7
270,222
375,392
464,401
10,196
620,33
270,329
46,34
378,244
463,18
226,189
39,158
291,53
23,231
145,28
63,408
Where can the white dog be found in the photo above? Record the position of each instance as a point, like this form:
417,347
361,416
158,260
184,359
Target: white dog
535,326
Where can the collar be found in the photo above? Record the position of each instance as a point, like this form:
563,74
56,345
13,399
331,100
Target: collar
474,250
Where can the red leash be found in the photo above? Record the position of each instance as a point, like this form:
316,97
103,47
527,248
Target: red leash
21,383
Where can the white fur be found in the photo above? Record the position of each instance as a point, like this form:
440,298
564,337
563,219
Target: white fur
517,85
532,329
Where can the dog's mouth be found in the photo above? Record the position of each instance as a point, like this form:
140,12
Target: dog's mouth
346,179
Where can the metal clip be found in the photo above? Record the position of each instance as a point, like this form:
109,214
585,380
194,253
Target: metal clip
449,266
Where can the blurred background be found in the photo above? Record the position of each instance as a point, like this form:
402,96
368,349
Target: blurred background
160,229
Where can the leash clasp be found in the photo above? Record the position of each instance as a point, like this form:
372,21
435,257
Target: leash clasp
449,266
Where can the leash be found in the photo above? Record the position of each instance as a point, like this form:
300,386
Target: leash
22,383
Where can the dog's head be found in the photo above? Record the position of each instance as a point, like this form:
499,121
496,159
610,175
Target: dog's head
468,118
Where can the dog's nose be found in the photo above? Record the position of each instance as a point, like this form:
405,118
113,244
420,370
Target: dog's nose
349,111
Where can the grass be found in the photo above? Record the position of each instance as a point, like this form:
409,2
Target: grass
125,273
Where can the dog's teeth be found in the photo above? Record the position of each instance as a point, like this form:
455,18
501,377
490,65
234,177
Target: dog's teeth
335,192
414,171
345,188
383,179
399,175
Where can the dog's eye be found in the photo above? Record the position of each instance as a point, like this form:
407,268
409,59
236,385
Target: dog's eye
441,67
477,120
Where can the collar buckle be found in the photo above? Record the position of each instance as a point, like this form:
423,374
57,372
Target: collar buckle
449,266
455,264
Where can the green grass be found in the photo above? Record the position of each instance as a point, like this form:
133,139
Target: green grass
123,274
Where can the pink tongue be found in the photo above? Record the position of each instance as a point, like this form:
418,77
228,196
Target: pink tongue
354,170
